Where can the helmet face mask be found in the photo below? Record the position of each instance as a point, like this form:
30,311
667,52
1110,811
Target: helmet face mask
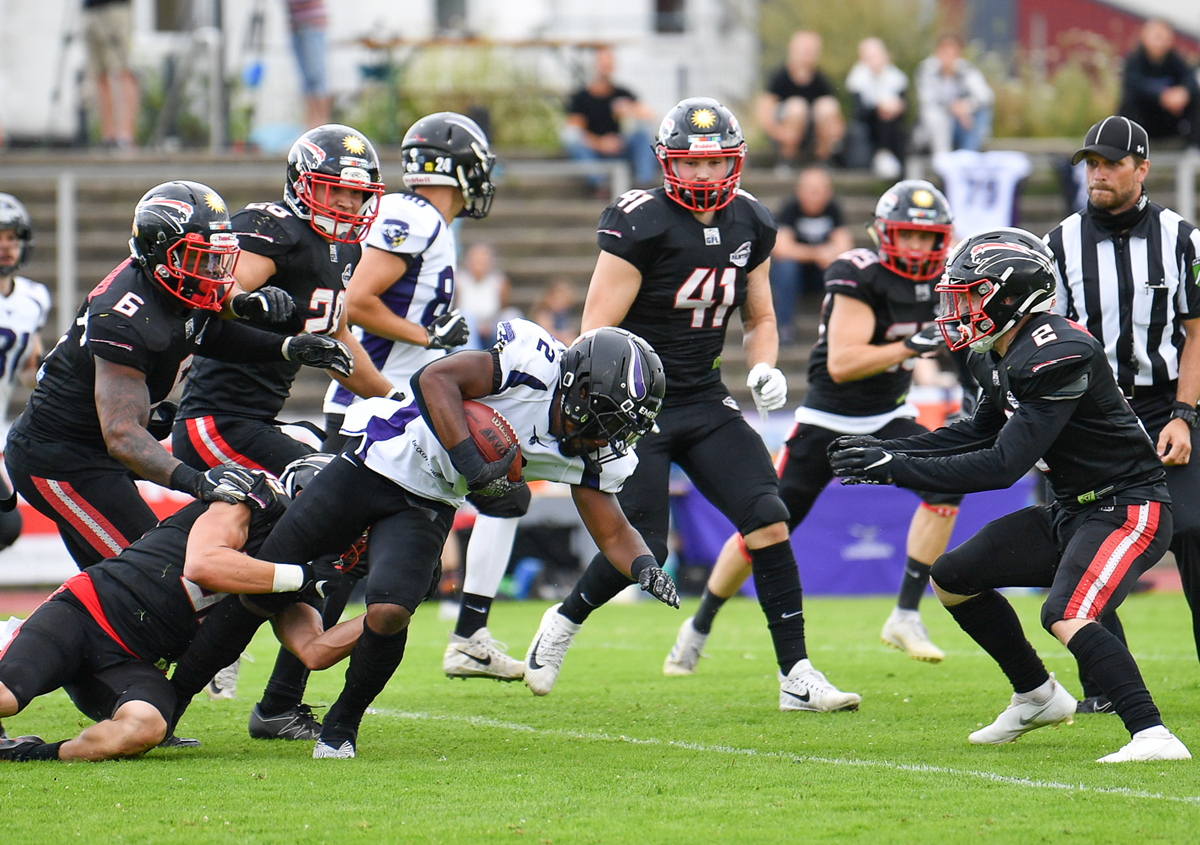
15,218
323,160
913,205
447,148
612,389
700,128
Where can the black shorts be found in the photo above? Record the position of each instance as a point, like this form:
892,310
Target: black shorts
204,442
1089,559
406,539
804,469
62,646
722,455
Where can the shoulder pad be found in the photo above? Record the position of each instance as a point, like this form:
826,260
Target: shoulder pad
1060,366
406,224
852,264
636,215
267,222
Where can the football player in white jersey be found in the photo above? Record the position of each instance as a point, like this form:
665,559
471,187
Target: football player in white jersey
24,305
399,299
577,412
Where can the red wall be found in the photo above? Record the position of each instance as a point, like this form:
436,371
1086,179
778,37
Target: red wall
1061,16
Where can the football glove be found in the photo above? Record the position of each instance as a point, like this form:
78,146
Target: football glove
268,304
448,331
654,581
862,465
226,483
317,350
928,339
849,441
487,478
769,386
322,576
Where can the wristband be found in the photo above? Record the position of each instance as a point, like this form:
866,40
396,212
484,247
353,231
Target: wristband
1184,411
395,393
640,564
183,478
466,459
289,577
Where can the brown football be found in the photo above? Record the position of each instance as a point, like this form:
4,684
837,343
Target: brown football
493,435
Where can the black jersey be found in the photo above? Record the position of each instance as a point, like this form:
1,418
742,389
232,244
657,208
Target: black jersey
148,602
310,268
901,307
128,319
693,277
1050,401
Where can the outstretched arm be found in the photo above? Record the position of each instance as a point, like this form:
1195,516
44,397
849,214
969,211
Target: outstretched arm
621,543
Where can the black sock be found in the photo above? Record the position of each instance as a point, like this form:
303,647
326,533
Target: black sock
1108,662
472,614
227,630
777,582
372,664
44,751
710,603
1112,624
285,689
916,578
600,582
990,621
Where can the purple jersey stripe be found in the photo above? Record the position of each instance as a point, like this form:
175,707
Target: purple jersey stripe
398,298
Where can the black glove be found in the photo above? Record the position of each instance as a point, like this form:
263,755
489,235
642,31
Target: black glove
322,576
849,441
269,304
928,339
225,483
484,477
653,580
318,350
862,465
162,420
448,331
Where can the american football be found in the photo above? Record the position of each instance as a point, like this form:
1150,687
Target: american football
493,434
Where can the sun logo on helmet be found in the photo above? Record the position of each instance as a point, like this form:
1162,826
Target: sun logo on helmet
924,199
214,202
354,144
704,118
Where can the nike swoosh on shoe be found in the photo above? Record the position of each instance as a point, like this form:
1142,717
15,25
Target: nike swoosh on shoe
533,664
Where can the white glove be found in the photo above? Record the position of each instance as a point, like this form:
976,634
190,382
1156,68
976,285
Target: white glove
769,386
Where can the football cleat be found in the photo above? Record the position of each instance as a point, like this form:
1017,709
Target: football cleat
546,652
804,688
686,652
10,749
1022,716
1156,743
479,656
1094,704
172,741
904,631
224,683
294,723
323,750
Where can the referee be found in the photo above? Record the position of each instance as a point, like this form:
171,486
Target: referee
1128,273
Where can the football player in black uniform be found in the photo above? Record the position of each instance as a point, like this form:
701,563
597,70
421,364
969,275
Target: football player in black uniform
675,263
83,439
108,633
1050,399
877,318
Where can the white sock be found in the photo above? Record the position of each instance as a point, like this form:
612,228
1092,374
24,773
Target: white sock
902,613
488,552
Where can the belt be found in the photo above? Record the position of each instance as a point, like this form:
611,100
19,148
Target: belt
1137,391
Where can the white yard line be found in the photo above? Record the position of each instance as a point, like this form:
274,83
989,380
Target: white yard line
922,768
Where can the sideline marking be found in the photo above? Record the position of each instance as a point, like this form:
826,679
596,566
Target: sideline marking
921,768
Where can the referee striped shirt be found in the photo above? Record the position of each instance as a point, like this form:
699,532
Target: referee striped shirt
1131,291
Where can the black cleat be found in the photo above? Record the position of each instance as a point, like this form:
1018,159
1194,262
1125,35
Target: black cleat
1094,704
294,723
15,749
172,741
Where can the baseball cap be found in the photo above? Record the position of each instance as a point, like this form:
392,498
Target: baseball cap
1114,138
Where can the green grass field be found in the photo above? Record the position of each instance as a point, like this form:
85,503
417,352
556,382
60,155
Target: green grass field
619,753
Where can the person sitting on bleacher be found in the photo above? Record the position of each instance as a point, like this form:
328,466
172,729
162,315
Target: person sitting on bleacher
1158,89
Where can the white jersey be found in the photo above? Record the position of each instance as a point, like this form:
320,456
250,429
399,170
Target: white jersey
22,315
981,187
410,227
398,443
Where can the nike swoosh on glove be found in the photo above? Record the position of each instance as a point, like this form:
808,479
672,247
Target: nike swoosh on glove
769,386
862,465
266,305
448,331
318,350
225,483
928,339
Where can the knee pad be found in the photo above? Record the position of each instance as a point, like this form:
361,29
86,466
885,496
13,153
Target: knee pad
946,573
508,506
766,510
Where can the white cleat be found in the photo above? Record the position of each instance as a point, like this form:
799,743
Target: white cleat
546,652
1156,743
686,652
1022,716
804,688
479,656
224,683
903,630
324,751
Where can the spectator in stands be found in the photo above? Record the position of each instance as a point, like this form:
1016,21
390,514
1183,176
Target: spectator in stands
878,89
481,292
798,111
811,235
107,25
956,101
555,310
307,21
596,114
1158,89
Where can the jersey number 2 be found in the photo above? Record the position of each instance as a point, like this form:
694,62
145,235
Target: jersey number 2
699,293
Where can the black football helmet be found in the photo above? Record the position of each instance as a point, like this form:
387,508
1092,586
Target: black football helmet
328,157
299,473
700,127
14,218
992,280
612,386
447,148
913,205
183,238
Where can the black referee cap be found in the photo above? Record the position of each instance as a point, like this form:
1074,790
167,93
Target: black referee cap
1114,138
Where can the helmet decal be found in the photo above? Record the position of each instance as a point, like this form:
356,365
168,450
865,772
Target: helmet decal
704,118
175,213
922,198
700,127
214,202
354,144
316,152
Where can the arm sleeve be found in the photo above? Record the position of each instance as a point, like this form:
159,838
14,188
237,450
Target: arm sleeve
976,432
238,342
